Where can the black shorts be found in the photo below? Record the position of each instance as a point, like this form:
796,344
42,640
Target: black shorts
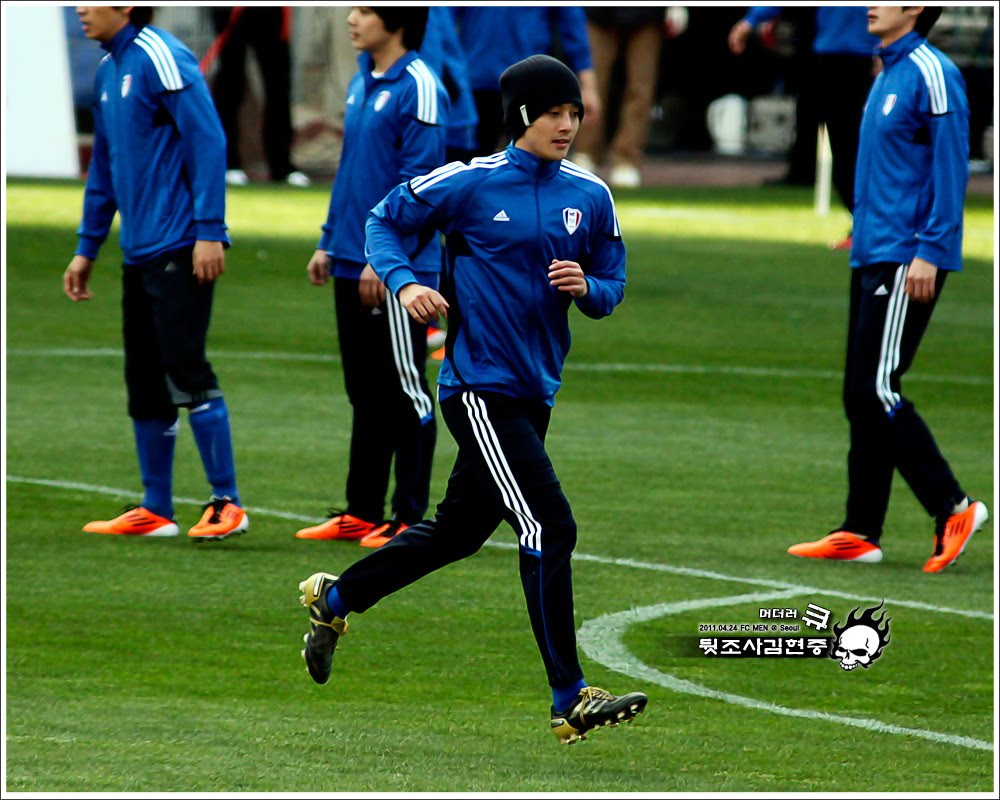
165,317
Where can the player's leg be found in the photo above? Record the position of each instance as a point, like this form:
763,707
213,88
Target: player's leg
154,418
409,419
182,310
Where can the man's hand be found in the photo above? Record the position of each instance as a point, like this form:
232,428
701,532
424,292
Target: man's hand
371,289
209,261
318,268
921,280
422,302
567,276
76,279
739,35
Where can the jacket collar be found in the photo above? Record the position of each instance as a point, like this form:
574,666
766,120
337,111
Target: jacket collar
366,64
540,168
116,46
900,48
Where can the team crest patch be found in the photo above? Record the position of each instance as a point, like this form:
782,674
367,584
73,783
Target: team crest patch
126,85
382,99
890,101
571,219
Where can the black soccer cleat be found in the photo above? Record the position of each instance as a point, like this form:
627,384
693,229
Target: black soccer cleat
594,708
324,628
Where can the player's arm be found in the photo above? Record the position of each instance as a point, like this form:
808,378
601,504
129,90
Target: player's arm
99,207
948,124
605,268
203,144
406,210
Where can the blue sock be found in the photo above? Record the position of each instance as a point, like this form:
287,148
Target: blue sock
154,443
210,425
335,603
562,697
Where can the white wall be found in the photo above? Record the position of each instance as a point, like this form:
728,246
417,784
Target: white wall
39,130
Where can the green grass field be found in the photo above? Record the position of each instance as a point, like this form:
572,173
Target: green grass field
698,434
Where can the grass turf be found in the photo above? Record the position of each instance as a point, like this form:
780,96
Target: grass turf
699,428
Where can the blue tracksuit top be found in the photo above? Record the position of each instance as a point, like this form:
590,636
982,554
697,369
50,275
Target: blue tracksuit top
443,53
506,217
913,160
840,30
494,37
393,131
159,150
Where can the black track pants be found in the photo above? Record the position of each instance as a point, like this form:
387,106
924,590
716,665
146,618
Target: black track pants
502,472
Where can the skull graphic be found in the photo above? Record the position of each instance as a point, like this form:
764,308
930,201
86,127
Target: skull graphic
856,646
861,639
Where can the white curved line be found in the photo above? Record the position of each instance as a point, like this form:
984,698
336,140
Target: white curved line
601,640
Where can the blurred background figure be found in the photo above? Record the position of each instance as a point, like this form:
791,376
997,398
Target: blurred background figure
267,29
442,51
634,35
494,37
836,75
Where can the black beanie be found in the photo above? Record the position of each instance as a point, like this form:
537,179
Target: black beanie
412,20
535,85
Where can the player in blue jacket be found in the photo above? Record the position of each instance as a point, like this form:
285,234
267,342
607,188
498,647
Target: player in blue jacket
913,168
529,236
159,161
394,130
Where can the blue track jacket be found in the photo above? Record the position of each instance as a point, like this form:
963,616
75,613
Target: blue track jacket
913,160
494,37
506,217
443,53
159,150
393,131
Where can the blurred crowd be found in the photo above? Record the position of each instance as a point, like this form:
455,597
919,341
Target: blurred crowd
656,80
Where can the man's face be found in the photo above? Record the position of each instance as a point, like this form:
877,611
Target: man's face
891,22
552,134
102,22
366,29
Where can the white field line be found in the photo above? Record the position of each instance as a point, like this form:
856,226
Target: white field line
601,640
676,369
577,556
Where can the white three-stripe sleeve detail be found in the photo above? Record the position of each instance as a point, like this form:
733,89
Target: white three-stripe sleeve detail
936,70
930,66
402,354
162,58
426,91
892,334
418,187
452,166
489,444
572,169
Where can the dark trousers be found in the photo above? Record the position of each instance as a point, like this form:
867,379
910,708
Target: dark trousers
384,353
502,472
165,317
265,29
836,96
884,332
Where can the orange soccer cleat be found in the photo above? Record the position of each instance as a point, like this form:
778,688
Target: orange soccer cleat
839,546
134,521
221,519
950,541
383,533
340,526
